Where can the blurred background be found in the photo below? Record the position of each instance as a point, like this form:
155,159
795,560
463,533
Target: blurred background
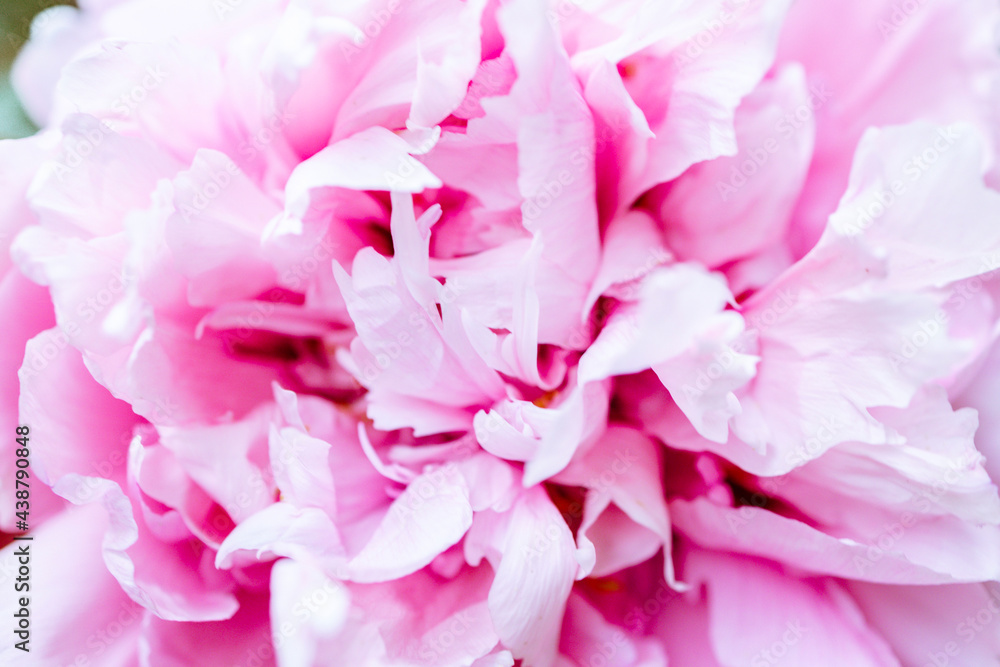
15,26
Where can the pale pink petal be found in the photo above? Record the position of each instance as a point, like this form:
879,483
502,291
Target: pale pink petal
533,580
306,534
752,530
432,514
804,622
307,610
104,624
374,159
933,624
228,461
895,72
77,427
246,638
589,638
27,310
733,207
164,578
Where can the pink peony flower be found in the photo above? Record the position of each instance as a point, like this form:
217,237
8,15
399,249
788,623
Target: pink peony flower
486,333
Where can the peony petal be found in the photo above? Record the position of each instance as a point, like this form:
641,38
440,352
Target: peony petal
533,580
